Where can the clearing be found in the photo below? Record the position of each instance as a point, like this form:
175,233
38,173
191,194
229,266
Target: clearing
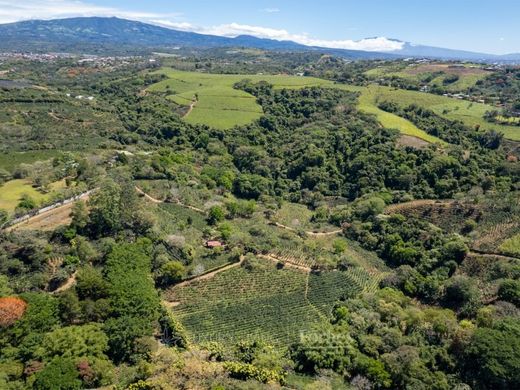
12,191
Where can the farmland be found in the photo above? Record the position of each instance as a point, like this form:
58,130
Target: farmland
470,113
433,74
259,301
215,102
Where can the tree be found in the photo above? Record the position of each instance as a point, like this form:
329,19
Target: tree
339,246
509,291
460,291
5,290
215,215
172,272
79,214
251,186
134,299
75,342
491,360
90,283
369,208
27,203
455,249
4,217
11,310
59,374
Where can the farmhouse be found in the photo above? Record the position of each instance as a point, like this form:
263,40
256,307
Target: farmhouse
213,244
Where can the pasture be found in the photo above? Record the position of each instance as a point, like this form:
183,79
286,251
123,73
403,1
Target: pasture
215,102
12,191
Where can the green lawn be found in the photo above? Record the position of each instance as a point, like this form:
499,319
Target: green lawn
12,191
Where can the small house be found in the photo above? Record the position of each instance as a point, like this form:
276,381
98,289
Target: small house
213,244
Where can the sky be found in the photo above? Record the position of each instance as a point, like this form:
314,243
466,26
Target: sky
490,26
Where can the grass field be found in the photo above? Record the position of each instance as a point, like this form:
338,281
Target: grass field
468,75
216,102
12,191
11,160
511,246
260,301
468,112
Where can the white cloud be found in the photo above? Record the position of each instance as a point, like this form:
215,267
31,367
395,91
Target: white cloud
12,11
235,29
15,10
271,10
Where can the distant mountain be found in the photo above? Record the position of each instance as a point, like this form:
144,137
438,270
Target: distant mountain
412,50
94,34
114,35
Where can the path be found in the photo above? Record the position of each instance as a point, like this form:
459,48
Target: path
395,208
211,274
158,201
310,233
68,284
286,262
149,197
476,252
192,106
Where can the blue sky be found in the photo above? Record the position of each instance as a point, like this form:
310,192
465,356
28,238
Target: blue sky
491,26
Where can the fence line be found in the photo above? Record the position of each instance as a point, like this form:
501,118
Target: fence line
34,213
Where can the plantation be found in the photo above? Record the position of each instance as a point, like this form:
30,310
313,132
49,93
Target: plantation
258,300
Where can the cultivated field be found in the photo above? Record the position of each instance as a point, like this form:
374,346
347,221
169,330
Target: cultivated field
259,300
214,100
216,103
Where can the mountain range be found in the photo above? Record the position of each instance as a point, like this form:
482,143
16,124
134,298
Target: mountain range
101,34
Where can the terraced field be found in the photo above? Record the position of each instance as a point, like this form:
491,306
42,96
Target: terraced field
260,301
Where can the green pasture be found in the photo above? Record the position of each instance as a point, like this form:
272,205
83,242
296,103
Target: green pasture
219,105
216,102
12,191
